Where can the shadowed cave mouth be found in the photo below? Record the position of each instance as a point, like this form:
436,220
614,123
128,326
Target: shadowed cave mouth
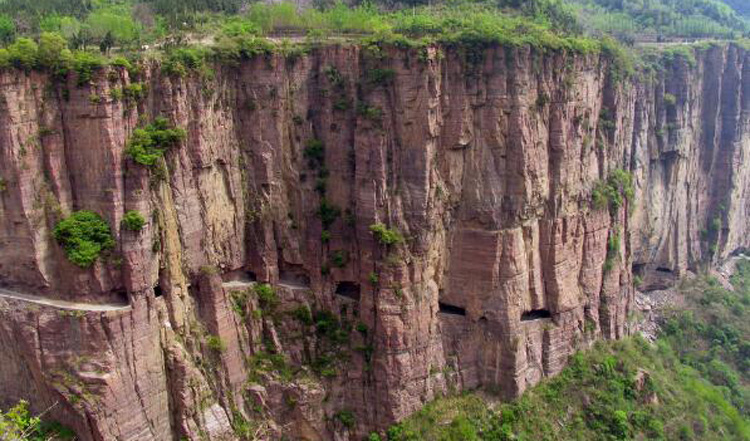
121,296
451,309
349,290
158,291
239,276
535,314
294,275
662,269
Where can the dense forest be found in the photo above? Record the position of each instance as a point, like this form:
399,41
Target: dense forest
105,24
741,6
662,18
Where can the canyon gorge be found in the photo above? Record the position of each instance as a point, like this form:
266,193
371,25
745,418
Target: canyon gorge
346,234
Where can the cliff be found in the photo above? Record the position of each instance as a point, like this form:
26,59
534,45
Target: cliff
485,162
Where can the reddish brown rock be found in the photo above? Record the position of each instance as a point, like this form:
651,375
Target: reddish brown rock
485,167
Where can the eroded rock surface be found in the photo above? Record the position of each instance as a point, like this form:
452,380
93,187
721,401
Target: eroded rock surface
486,167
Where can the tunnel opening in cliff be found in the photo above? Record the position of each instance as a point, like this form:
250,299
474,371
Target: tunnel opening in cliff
158,292
239,276
294,275
535,314
662,269
121,296
451,309
349,290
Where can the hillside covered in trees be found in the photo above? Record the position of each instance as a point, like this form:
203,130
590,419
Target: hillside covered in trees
663,18
104,24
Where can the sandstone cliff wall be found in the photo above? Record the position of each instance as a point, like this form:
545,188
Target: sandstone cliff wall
485,163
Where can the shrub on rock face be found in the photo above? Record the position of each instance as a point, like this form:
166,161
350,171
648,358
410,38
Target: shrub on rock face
149,143
385,235
133,221
613,192
83,235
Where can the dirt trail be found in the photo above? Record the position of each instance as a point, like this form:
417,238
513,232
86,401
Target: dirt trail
63,304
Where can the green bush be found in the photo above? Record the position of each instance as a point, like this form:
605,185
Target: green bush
22,54
149,143
7,29
53,53
613,251
215,343
266,296
120,27
621,62
380,77
670,100
385,235
304,315
267,362
315,153
86,64
613,192
133,221
83,235
18,424
238,301
346,418
121,62
339,258
232,49
368,112
181,61
134,92
328,213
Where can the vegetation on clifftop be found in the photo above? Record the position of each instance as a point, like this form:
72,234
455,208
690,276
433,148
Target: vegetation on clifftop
83,37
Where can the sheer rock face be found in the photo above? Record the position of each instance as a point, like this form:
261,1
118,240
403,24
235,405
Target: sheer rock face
485,166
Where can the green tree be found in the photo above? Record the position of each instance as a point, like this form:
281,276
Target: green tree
106,44
83,235
149,143
7,29
23,53
119,28
53,53
66,26
133,221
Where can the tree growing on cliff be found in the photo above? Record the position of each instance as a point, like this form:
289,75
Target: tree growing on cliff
18,424
83,235
386,236
613,192
133,221
149,143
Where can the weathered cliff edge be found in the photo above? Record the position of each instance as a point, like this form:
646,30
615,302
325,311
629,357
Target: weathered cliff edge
486,167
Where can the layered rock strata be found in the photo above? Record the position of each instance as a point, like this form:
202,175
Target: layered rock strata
485,164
